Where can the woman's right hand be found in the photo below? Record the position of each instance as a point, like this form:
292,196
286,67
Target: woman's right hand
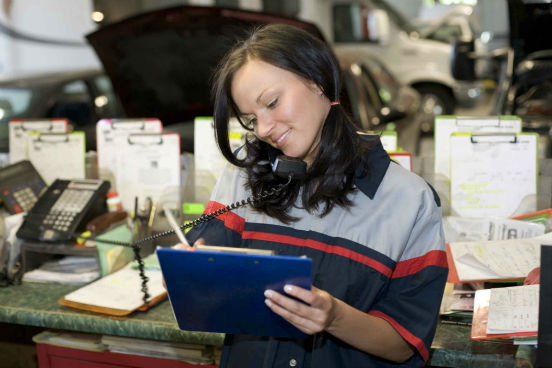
183,246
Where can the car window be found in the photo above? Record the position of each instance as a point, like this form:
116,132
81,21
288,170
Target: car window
447,33
386,85
74,103
13,101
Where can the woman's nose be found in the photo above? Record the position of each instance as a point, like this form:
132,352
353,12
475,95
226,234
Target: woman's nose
264,126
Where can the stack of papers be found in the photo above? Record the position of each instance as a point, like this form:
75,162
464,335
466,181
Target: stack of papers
506,313
67,270
190,353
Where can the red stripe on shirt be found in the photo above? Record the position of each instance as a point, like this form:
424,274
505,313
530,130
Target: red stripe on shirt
309,243
231,220
409,337
411,266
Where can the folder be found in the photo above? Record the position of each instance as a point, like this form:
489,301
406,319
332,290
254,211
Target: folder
224,292
493,174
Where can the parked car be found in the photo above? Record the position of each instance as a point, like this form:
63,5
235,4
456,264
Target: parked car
383,103
424,64
81,96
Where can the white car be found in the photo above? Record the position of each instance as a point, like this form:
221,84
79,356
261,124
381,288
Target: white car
424,64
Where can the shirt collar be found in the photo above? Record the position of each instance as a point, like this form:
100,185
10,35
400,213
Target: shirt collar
369,174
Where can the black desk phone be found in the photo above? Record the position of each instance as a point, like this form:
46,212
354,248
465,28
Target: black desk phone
64,209
20,186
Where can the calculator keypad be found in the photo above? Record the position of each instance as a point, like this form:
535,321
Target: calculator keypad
26,198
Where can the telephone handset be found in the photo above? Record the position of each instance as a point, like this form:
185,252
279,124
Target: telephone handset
65,207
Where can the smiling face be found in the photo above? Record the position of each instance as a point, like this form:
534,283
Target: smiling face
286,111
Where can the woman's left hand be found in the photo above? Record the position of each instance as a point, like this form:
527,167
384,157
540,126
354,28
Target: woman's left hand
314,316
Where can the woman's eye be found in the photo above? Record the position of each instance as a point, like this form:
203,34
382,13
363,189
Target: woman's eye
273,103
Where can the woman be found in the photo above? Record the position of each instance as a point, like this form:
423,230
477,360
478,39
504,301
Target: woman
372,229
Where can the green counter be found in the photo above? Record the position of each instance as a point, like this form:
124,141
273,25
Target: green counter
36,304
33,304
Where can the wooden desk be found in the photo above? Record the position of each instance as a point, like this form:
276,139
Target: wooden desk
33,304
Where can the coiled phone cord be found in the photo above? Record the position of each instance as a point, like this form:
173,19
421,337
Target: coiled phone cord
203,218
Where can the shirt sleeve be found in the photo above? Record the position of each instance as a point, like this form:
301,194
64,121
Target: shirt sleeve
412,300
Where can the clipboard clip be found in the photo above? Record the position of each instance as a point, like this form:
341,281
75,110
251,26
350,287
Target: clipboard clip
139,141
127,124
45,138
494,138
49,129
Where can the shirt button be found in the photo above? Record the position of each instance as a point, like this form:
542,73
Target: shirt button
292,363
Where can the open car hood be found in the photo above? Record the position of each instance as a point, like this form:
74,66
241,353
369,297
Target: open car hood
530,26
160,63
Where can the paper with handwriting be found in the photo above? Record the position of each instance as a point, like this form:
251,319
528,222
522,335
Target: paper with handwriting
497,259
492,175
513,309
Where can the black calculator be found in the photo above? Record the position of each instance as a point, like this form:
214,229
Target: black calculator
20,186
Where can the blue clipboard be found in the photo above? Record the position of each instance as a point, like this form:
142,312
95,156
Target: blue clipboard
224,292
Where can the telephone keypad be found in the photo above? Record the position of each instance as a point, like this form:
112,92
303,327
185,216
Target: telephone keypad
67,207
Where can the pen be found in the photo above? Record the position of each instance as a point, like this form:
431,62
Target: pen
174,225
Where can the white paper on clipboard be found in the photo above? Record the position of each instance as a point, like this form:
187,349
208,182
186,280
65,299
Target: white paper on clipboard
402,158
446,125
107,133
492,174
19,131
58,156
149,166
208,160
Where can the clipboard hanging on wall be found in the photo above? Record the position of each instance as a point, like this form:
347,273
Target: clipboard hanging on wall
148,166
445,126
19,130
58,155
493,174
107,133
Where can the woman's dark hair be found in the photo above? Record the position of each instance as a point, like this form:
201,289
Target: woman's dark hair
331,176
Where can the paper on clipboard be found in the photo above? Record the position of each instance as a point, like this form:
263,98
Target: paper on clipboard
492,174
20,129
402,158
389,141
148,166
58,156
445,126
208,160
107,133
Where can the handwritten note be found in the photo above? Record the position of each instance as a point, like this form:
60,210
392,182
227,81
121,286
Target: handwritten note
493,175
497,259
514,309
